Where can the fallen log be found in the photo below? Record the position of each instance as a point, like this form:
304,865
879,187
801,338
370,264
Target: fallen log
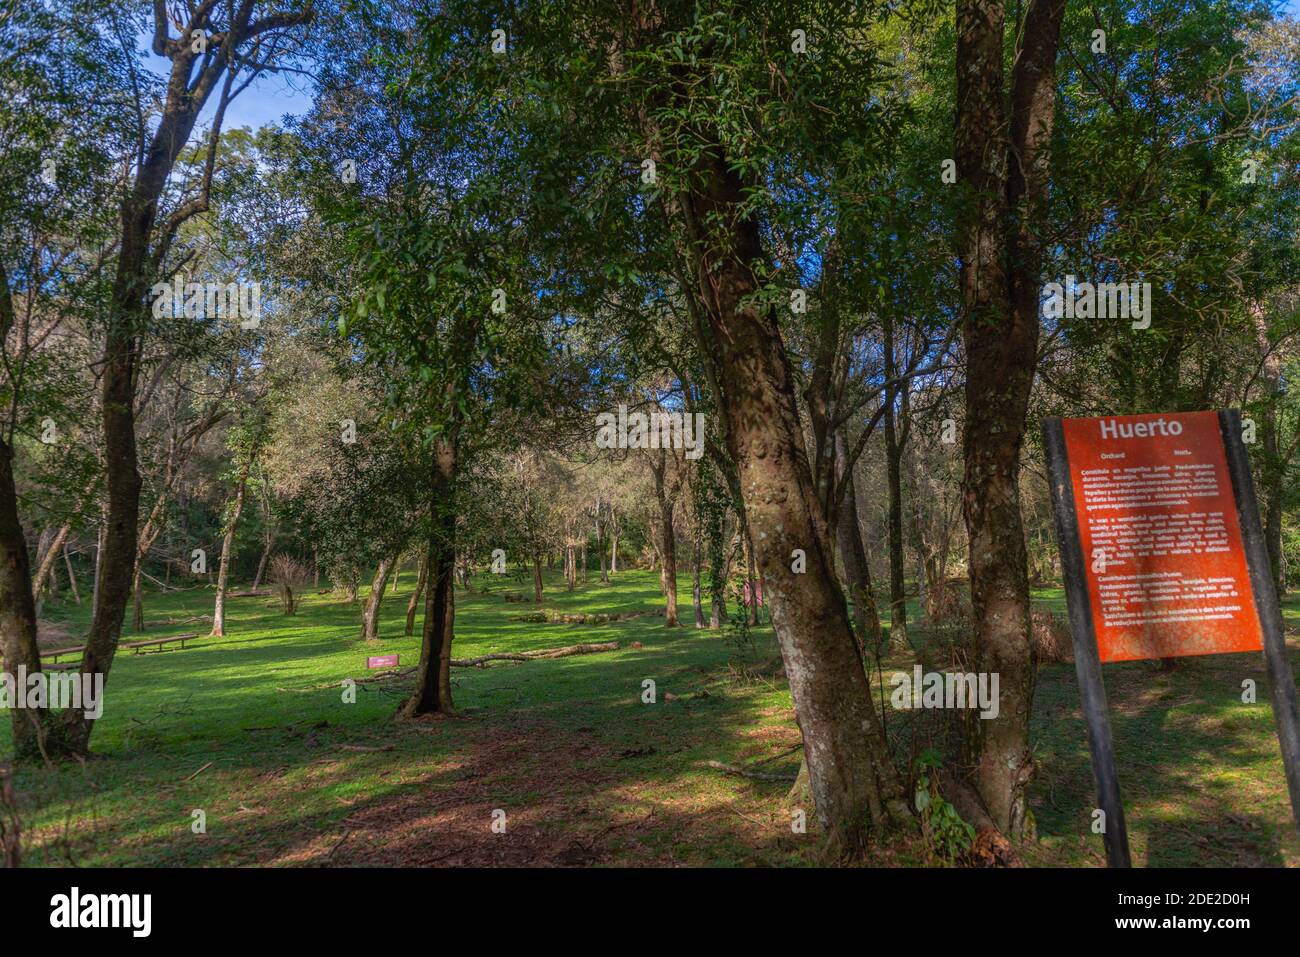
482,661
746,773
539,653
177,621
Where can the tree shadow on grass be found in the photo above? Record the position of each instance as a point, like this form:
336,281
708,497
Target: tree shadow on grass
565,747
1200,772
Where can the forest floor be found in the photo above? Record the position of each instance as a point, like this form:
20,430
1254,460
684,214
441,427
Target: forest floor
252,731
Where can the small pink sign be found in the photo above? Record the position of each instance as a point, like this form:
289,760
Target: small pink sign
382,661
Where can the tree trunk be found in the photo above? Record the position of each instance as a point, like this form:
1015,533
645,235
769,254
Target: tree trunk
227,547
72,575
1274,461
421,580
370,615
137,598
601,530
99,554
433,686
1006,185
697,598
857,569
718,613
851,776
893,465
17,609
667,541
268,542
46,565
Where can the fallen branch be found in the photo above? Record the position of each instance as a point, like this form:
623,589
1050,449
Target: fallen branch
177,621
479,662
565,652
163,585
746,773
779,754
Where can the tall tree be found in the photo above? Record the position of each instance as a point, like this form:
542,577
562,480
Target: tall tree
1002,154
217,45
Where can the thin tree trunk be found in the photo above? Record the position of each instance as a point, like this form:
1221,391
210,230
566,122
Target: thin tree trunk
370,615
893,465
537,579
421,580
137,598
857,569
718,612
697,598
667,540
1275,461
99,551
72,575
227,548
433,684
613,549
49,557
46,565
269,543
601,530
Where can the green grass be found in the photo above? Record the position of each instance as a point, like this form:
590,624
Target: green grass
252,730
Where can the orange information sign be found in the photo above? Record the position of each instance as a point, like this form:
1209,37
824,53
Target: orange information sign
1162,546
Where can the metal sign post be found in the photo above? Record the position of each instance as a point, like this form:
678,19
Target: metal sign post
1087,664
1281,681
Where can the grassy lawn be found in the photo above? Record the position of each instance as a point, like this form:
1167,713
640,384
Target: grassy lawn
252,730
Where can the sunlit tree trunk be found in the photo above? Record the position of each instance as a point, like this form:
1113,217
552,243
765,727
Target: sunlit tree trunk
227,548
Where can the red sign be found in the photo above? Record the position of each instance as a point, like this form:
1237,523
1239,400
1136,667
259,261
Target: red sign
382,661
1162,546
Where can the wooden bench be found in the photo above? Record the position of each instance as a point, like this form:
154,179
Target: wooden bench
158,643
53,655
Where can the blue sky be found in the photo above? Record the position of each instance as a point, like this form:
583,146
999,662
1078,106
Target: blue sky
269,98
